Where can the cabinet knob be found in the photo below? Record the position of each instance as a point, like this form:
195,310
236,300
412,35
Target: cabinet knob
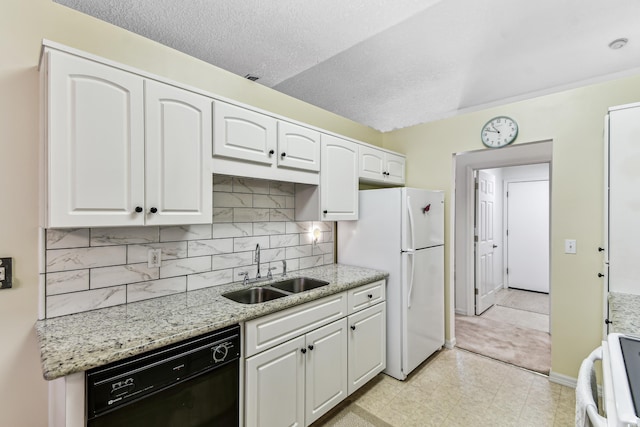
271,153
153,210
303,350
369,296
310,347
283,155
607,321
325,212
600,275
353,327
138,209
600,249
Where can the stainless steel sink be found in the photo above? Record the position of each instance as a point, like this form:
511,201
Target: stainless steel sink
254,295
299,284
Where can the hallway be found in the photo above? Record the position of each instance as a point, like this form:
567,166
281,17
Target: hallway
515,330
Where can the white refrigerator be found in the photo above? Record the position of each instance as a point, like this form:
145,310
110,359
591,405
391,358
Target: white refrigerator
401,231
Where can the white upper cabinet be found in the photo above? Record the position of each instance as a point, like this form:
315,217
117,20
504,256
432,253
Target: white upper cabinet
243,134
103,166
380,166
178,153
338,179
94,148
298,147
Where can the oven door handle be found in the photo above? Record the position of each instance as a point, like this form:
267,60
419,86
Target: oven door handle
586,392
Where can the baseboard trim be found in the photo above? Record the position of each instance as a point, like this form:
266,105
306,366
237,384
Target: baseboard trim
561,379
450,344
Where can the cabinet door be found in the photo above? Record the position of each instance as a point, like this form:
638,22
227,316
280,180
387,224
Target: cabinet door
274,394
372,163
338,179
367,345
95,144
178,155
326,370
395,166
298,147
243,134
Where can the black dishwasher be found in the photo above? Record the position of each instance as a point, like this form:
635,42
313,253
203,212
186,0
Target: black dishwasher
192,383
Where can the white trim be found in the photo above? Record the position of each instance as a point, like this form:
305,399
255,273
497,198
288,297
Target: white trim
450,344
463,197
564,380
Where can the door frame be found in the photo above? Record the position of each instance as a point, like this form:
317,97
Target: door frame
462,271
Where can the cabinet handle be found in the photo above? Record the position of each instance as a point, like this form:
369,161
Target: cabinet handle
271,153
353,327
325,212
607,321
600,249
369,296
283,155
153,210
310,347
138,209
303,350
600,275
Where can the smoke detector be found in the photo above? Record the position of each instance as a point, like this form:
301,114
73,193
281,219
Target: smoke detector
618,43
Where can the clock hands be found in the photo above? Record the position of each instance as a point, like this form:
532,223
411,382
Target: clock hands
492,130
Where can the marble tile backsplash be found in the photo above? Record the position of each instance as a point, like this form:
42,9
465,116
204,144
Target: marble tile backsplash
92,268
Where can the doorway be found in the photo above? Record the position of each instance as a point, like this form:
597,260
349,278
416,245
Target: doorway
464,274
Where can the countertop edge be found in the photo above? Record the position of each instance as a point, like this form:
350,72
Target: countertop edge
63,352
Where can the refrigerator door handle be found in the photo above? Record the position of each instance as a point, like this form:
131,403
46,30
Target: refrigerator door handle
411,226
412,253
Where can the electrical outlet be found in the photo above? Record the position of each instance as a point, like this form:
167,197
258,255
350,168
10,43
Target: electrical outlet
6,274
154,258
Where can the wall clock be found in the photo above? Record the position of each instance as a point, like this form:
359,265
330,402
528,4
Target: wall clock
499,131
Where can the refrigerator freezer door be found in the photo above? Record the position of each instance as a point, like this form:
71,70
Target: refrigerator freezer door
423,309
423,218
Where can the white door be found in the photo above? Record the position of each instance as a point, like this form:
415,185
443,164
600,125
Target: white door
338,179
371,163
243,134
95,144
423,305
395,166
298,147
178,156
326,369
423,221
274,394
367,345
528,235
485,278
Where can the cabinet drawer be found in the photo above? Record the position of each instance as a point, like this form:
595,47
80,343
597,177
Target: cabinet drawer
366,296
276,328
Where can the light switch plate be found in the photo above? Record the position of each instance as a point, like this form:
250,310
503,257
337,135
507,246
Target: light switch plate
154,258
6,273
570,246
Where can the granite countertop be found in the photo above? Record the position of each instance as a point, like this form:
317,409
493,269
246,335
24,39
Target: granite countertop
82,341
624,312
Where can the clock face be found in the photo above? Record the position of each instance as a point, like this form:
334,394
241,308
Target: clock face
499,131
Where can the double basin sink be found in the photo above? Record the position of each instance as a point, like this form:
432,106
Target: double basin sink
275,290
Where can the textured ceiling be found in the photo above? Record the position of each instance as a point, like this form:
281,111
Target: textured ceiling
389,64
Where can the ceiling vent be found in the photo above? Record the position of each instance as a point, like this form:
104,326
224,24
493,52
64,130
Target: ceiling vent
251,77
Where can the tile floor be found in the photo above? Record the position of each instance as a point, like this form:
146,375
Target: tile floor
458,388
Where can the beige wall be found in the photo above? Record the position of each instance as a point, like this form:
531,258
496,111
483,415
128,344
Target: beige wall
574,120
23,24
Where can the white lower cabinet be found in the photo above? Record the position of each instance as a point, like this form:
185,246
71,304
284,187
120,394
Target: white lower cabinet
367,345
294,383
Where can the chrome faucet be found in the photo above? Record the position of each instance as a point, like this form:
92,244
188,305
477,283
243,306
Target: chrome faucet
257,260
